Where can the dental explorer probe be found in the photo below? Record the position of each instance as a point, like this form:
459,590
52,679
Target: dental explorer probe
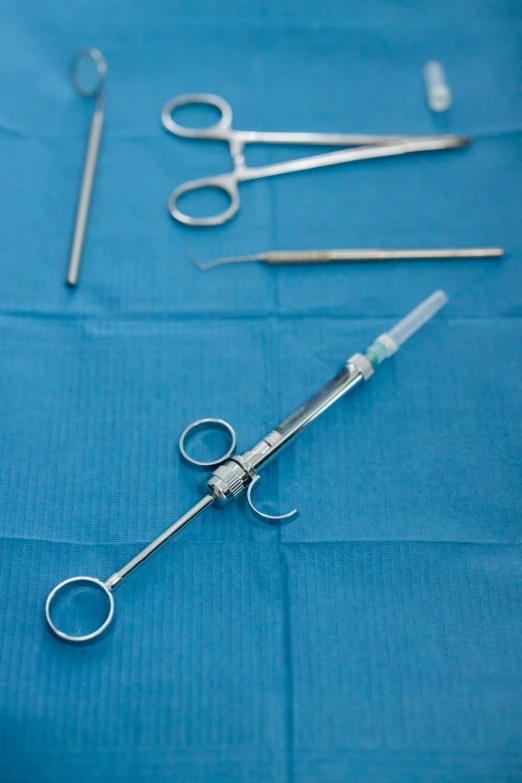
278,257
240,472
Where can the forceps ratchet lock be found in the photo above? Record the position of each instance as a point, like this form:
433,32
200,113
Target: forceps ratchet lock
368,147
237,473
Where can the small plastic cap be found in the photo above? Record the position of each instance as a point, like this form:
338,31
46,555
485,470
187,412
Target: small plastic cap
390,342
412,322
437,90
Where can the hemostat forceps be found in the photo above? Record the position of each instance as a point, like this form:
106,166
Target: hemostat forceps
240,472
369,147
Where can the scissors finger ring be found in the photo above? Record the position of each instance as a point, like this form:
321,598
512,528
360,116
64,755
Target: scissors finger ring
218,130
225,183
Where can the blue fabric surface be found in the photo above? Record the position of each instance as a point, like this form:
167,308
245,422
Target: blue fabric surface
376,639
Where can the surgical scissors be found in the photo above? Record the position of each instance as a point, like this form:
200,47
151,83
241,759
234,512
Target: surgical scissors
222,130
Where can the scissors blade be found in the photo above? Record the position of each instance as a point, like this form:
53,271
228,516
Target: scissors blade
321,139
400,147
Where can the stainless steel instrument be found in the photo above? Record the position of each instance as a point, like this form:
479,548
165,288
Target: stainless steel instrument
369,147
239,473
88,76
281,257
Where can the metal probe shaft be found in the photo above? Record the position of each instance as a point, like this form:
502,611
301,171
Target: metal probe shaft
89,170
298,256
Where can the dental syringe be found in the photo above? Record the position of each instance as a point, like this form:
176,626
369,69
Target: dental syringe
240,472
